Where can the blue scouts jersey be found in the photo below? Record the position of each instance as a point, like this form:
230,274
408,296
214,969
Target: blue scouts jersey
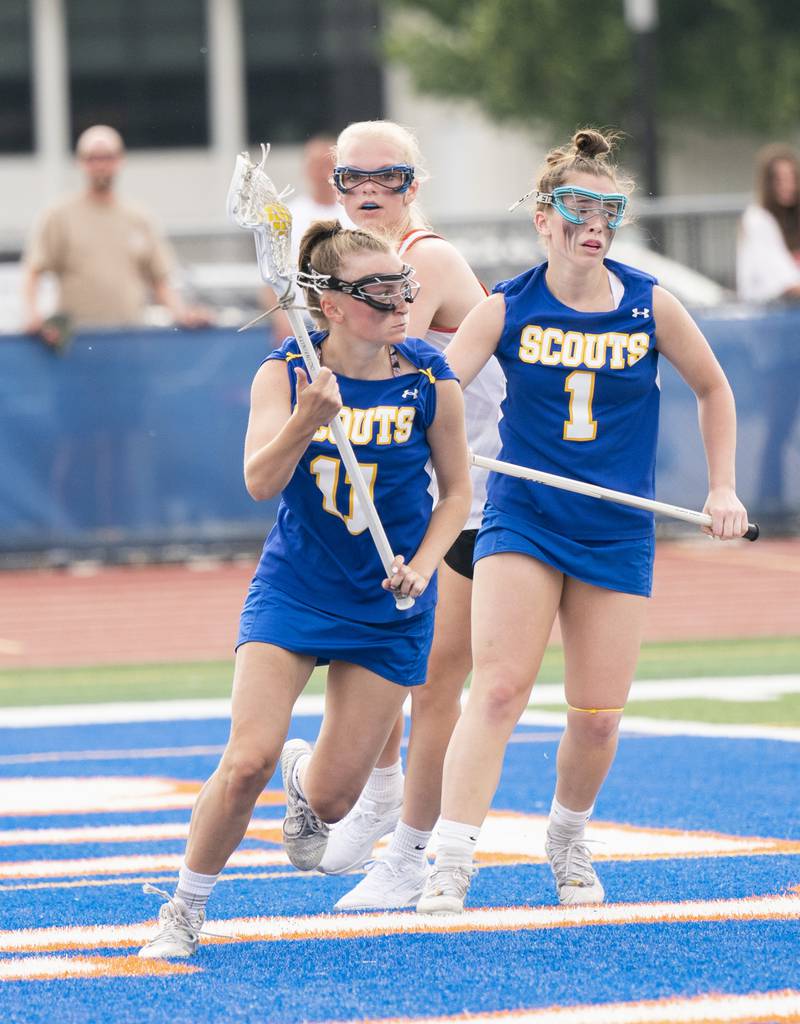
582,401
320,549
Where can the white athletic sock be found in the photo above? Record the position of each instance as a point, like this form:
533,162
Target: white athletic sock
194,889
566,822
457,842
385,785
296,780
409,844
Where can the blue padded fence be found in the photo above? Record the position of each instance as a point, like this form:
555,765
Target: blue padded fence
136,437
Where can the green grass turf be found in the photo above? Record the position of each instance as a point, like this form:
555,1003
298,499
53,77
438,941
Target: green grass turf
783,711
761,656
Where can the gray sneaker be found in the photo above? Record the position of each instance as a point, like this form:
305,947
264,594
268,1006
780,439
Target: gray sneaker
305,836
178,932
446,890
571,864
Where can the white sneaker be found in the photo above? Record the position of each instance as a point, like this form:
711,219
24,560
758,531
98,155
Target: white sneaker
351,840
446,890
179,930
305,836
571,864
389,883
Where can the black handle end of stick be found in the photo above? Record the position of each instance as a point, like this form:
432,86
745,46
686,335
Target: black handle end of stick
752,532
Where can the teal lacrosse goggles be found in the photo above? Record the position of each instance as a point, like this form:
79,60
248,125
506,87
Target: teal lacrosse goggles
580,205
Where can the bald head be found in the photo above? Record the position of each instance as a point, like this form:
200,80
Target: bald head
100,138
318,166
100,150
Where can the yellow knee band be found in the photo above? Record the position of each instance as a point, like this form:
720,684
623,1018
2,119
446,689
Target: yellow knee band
594,711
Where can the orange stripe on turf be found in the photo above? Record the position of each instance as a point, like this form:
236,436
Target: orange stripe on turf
48,968
754,1008
352,926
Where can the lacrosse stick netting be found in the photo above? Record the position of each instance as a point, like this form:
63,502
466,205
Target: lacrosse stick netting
255,204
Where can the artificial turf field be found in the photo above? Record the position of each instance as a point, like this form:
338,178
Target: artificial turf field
697,841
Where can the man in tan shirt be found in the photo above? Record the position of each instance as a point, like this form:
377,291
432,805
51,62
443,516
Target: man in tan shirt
108,256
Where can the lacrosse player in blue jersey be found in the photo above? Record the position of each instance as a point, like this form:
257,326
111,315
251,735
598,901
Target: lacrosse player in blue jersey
578,339
319,595
378,174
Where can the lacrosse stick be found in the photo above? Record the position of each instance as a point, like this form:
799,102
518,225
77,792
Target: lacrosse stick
563,483
254,203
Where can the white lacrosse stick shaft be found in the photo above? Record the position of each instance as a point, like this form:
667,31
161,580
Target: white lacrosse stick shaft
348,457
564,483
254,204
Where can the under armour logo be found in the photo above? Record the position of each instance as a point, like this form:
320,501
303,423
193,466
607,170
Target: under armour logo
410,393
641,312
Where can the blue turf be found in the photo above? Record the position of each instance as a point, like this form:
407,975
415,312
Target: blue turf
733,786
394,976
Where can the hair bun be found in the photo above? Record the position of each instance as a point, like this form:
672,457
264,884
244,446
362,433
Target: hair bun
556,156
591,143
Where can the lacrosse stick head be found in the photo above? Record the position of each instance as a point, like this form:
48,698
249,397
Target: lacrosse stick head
256,205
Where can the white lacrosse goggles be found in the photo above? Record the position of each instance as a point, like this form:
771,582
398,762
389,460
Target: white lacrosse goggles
580,205
383,292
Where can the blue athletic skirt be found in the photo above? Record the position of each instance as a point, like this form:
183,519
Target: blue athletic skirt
397,650
622,565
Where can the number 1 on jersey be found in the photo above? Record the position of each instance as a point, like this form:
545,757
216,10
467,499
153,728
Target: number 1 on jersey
326,471
580,426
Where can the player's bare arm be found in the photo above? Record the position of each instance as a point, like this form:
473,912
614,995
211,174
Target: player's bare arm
276,435
476,339
682,342
449,286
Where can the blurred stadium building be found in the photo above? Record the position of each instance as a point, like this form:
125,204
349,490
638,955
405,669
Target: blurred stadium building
132,442
192,82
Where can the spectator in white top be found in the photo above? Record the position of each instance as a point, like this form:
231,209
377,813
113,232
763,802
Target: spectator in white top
768,270
768,251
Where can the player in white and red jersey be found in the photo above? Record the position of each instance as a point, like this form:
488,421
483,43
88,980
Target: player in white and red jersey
378,174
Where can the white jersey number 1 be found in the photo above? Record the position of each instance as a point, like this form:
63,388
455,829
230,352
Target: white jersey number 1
580,426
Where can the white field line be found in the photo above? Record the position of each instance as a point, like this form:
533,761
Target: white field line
632,724
123,711
136,862
177,710
146,754
732,689
506,839
128,833
164,881
755,1008
350,926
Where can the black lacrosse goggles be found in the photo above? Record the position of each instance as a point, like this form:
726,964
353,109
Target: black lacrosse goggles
394,178
383,292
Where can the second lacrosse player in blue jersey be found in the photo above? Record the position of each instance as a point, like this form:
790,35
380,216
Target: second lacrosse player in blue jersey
578,339
320,593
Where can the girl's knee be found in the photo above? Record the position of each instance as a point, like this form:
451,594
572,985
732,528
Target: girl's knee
331,806
435,702
502,695
596,727
247,771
